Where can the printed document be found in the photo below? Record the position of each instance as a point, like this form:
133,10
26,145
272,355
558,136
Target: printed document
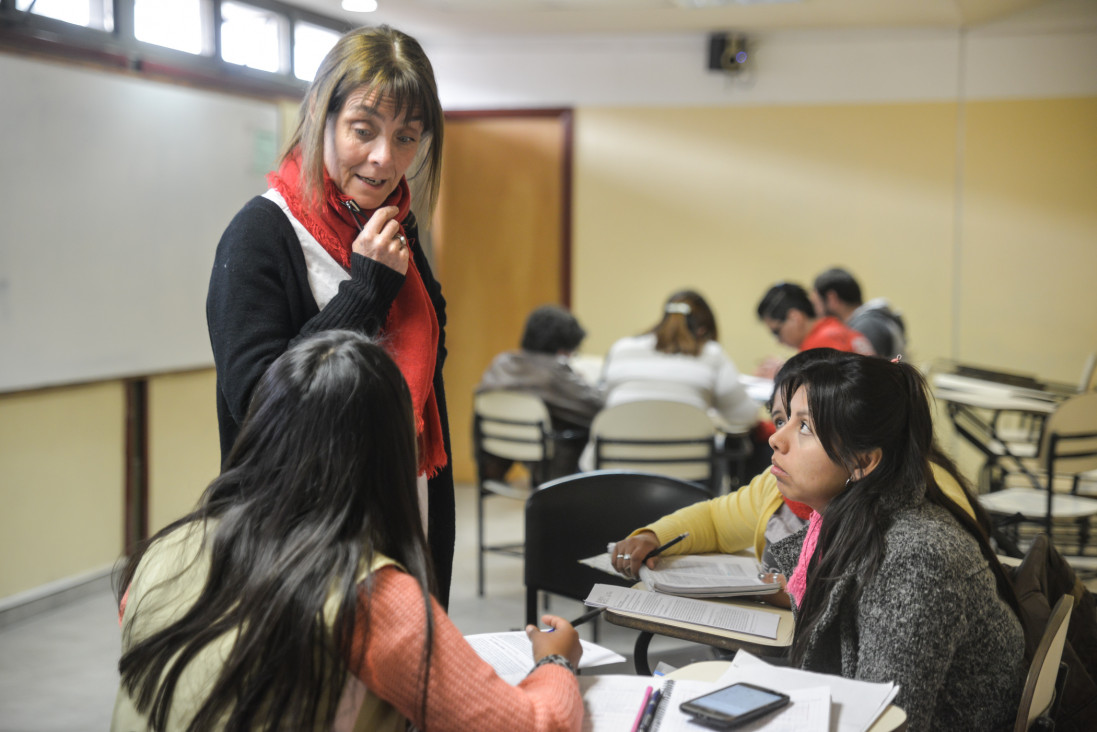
735,618
706,575
511,653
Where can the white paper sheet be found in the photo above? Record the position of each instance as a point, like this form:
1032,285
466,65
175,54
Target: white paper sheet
855,704
702,612
511,653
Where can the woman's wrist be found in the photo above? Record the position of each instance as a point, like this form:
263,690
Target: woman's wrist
555,659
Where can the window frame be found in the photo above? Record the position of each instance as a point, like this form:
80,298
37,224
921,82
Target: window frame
120,50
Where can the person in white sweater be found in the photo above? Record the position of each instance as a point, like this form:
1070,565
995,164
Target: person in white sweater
679,360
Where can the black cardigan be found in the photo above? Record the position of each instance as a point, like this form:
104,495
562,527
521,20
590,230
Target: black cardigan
259,304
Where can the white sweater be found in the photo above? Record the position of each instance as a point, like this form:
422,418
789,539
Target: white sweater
635,371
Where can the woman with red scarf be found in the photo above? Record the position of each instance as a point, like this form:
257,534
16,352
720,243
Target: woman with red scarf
333,245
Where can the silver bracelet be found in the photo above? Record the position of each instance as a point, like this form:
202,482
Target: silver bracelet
554,658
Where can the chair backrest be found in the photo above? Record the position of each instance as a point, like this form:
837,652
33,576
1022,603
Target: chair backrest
511,425
1069,441
1039,690
574,517
670,438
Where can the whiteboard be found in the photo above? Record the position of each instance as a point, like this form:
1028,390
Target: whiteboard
114,191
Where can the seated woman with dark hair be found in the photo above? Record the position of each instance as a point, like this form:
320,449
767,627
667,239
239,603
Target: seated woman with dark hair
297,595
890,580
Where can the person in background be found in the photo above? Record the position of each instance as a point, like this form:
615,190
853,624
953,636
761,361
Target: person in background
297,594
334,244
540,367
890,580
787,310
837,293
680,359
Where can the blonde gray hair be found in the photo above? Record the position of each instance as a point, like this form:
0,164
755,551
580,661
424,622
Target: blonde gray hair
393,65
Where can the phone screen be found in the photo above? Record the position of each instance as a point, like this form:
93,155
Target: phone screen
738,702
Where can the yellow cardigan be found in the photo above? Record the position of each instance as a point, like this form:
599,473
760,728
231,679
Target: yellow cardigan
737,521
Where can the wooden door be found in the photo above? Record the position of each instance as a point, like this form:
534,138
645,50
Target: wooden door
501,242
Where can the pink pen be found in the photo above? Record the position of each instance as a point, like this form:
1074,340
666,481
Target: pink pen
643,706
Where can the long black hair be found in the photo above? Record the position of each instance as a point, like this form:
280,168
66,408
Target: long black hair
859,404
321,477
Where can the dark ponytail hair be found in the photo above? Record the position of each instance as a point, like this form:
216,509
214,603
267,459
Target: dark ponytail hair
858,404
321,477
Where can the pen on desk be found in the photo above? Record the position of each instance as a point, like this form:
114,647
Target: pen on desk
649,713
663,547
643,710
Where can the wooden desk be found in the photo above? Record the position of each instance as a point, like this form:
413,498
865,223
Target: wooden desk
894,719
704,634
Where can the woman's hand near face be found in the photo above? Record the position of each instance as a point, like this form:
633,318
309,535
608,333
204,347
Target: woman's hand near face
381,241
563,640
628,554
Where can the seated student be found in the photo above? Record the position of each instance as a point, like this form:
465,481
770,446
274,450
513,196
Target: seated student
758,515
680,359
890,580
838,294
297,595
540,368
787,310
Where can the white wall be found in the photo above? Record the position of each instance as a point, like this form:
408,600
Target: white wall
1050,52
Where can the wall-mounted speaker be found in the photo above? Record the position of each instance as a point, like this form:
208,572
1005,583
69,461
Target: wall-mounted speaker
728,52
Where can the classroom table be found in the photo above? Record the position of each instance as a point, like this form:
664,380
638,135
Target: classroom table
726,639
976,407
894,719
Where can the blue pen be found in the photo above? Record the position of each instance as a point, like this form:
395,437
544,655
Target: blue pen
649,713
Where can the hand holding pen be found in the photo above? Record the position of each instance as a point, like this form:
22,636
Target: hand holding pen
626,556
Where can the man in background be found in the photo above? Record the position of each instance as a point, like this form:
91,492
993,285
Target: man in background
540,367
837,294
787,310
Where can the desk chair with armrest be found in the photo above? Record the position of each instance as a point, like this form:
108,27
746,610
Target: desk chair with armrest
574,517
1067,450
658,436
1045,679
507,426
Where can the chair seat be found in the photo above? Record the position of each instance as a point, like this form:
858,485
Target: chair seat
1029,502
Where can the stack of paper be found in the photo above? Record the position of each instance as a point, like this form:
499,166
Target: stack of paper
706,575
857,704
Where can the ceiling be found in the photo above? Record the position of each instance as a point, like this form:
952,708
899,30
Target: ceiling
440,18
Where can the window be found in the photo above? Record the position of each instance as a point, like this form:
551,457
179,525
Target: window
170,23
251,36
310,44
98,14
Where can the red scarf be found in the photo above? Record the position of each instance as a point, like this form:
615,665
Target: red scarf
411,331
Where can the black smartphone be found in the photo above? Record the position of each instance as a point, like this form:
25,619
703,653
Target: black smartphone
733,705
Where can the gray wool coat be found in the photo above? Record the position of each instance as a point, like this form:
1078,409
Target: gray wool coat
930,620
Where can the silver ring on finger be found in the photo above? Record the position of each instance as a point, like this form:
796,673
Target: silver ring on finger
627,557
402,239
620,556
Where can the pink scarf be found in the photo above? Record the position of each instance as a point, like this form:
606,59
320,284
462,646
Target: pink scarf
797,583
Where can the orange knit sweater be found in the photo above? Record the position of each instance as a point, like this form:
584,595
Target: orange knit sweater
465,692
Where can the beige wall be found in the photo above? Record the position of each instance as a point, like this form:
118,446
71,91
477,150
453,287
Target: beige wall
976,220
184,449
61,476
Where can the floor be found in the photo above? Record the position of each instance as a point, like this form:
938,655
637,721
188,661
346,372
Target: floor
58,669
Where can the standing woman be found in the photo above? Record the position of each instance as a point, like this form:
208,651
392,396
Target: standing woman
333,244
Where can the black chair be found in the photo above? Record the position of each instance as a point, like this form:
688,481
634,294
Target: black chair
572,518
